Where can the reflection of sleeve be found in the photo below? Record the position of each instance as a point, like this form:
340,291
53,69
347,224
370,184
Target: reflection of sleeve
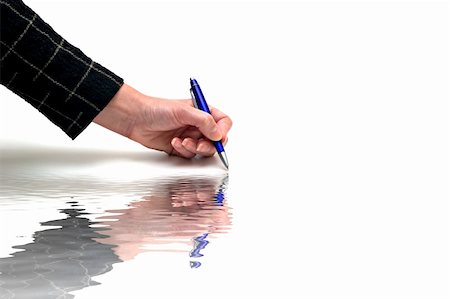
52,75
58,261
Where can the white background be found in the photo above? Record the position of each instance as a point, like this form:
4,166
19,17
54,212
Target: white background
339,151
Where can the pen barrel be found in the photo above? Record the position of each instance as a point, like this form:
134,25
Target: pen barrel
199,98
219,146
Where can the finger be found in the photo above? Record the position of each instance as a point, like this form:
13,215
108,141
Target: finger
205,148
225,140
202,147
195,134
223,121
186,102
180,149
202,120
189,144
192,132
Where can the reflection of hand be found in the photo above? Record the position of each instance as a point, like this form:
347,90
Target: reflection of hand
191,197
174,212
175,127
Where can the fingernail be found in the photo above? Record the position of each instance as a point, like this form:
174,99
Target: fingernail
201,148
216,134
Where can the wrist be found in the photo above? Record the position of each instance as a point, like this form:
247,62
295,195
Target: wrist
120,113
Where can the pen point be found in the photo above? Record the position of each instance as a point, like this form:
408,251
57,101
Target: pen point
224,159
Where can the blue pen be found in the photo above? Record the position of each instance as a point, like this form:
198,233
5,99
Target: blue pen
200,103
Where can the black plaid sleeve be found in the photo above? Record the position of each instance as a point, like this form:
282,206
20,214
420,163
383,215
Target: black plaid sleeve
49,73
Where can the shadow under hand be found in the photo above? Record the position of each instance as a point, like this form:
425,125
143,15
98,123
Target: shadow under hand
14,156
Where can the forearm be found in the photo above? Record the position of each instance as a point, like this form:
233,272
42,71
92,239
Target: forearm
58,79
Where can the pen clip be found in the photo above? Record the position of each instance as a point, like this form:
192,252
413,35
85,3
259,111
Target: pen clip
194,101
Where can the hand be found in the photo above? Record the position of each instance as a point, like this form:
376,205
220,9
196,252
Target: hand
172,126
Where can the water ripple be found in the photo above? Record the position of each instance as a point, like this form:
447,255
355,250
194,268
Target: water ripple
101,223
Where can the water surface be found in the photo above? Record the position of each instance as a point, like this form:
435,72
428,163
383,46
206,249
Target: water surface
92,224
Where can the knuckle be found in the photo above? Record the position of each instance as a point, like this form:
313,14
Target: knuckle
208,121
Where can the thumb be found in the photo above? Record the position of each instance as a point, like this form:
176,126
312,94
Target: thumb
203,121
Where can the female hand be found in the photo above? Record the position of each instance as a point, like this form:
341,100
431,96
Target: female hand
172,126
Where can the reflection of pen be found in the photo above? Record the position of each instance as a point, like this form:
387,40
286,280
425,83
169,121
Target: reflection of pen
220,195
200,103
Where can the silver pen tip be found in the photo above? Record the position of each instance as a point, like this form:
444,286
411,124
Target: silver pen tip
224,159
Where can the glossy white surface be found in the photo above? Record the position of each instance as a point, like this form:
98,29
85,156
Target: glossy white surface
339,165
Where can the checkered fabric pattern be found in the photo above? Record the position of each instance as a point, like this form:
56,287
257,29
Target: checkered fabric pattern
55,77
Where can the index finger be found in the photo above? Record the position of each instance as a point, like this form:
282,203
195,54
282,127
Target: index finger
223,121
